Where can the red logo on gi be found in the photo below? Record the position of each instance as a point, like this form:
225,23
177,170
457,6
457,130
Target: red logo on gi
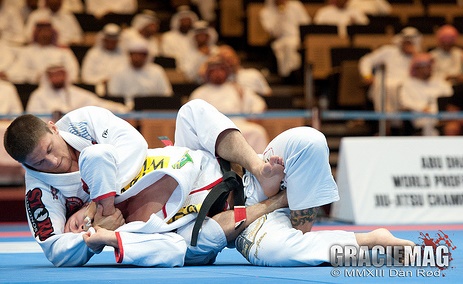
38,215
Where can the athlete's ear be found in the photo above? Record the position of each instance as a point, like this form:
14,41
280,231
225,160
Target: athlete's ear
53,127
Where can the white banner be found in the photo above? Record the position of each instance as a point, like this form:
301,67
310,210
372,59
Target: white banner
400,180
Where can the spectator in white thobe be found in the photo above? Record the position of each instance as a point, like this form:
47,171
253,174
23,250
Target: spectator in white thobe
42,52
206,9
231,98
11,25
247,77
144,25
99,8
203,44
140,77
281,19
448,57
420,91
65,23
337,13
8,57
371,7
10,105
176,42
56,94
105,58
396,58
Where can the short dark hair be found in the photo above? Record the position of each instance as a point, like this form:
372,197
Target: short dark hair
22,135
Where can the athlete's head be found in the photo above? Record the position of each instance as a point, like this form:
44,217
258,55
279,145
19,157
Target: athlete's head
31,141
81,220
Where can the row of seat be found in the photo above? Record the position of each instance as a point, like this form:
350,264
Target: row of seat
181,94
402,15
317,47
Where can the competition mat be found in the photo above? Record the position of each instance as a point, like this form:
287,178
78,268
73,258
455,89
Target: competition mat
22,261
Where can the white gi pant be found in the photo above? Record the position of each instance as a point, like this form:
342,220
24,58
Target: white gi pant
271,240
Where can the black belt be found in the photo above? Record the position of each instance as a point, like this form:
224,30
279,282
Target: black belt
215,201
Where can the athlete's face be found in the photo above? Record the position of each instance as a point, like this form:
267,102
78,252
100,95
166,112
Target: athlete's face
77,222
52,154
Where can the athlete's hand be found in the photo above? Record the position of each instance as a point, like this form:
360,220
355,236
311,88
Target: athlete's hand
101,238
111,222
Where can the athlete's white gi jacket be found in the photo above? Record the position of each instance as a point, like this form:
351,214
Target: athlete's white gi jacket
51,197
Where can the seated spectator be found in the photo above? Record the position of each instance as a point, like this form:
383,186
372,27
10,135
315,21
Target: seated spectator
230,98
176,42
105,58
11,25
144,25
337,13
206,9
454,127
420,91
99,8
281,19
203,44
448,58
11,103
56,94
40,53
371,7
7,58
65,23
140,77
396,58
247,77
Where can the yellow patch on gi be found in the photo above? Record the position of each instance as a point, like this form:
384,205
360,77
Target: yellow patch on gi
193,208
151,163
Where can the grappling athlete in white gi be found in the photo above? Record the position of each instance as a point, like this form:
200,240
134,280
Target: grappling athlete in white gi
308,181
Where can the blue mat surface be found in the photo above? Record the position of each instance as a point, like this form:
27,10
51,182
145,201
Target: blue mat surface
21,261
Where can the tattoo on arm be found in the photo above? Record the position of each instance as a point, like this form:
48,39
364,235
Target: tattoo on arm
301,217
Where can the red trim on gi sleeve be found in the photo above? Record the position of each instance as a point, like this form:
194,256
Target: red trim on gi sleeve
101,197
164,211
119,252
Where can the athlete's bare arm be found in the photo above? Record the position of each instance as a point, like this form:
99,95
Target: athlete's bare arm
226,219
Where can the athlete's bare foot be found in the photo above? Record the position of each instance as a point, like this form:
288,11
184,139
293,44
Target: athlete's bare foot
381,237
270,175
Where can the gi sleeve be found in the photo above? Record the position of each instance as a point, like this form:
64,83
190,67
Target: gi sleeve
119,147
161,250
